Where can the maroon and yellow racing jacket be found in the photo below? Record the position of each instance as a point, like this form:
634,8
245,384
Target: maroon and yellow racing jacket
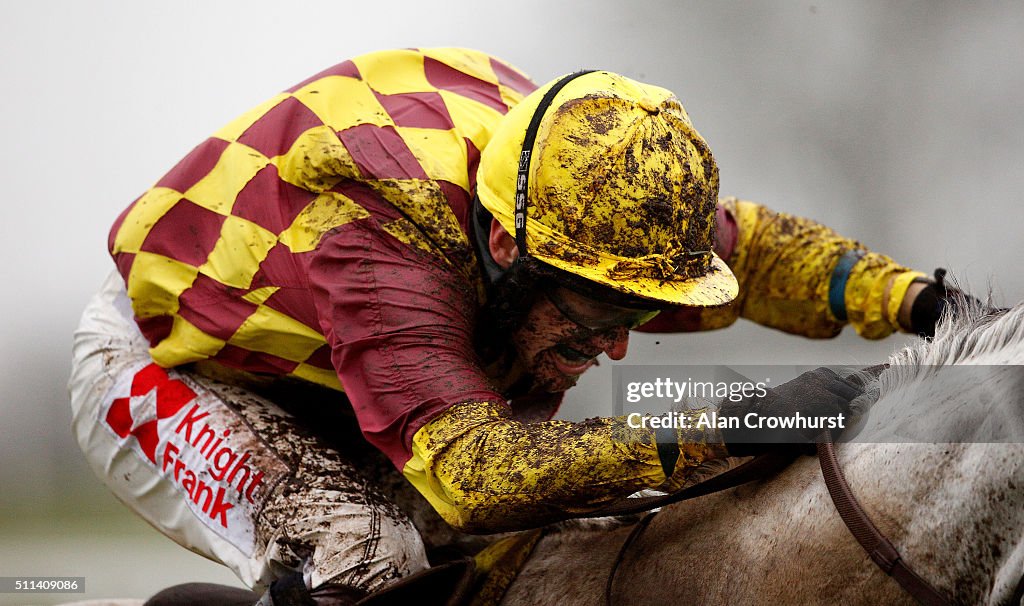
324,235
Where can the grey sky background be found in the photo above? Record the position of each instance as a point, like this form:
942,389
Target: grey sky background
898,124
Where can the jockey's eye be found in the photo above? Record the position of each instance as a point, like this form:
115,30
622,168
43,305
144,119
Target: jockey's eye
594,315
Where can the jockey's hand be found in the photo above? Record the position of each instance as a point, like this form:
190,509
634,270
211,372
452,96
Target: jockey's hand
816,393
930,302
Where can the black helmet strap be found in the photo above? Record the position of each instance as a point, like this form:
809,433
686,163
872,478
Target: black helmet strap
523,177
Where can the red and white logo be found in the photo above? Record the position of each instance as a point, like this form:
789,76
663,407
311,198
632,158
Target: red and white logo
136,415
167,422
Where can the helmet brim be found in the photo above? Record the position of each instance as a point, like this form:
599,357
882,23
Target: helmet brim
717,286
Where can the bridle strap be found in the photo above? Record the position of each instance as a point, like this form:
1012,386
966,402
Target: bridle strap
633,534
757,468
877,546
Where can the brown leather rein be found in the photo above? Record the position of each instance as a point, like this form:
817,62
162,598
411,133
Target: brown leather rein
881,551
877,546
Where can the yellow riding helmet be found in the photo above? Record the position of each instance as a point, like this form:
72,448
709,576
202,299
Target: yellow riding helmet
614,185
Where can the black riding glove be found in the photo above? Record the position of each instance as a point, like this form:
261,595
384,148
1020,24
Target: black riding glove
816,393
933,301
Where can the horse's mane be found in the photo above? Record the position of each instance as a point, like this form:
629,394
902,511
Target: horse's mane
971,333
906,399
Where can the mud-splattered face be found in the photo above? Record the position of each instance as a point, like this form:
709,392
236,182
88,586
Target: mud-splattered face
563,334
564,331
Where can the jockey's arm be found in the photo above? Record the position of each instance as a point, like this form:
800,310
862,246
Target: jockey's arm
801,277
483,471
401,323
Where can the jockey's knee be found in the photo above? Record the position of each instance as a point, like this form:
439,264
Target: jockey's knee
340,539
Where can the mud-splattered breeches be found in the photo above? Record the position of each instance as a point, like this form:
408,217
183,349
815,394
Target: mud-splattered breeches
227,473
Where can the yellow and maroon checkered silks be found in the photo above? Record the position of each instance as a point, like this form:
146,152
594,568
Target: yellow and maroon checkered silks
210,254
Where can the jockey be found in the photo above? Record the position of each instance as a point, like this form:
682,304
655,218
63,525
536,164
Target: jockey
424,245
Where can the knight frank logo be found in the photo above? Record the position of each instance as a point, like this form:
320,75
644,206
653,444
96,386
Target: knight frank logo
171,396
181,440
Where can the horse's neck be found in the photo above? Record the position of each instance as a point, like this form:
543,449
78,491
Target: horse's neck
955,508
949,509
954,511
570,567
951,502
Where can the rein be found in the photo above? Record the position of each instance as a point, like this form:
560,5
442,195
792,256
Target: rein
757,468
878,547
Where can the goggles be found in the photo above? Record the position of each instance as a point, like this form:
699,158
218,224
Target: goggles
594,315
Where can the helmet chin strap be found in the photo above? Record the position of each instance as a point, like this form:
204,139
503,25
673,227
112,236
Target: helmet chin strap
480,228
481,218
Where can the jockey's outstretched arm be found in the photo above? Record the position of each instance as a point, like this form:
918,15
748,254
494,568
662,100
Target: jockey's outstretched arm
801,277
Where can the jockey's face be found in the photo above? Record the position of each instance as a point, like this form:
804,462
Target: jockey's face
565,331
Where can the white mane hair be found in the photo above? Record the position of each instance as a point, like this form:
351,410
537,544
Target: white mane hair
971,334
919,398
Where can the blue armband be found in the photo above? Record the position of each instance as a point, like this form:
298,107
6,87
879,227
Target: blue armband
837,286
